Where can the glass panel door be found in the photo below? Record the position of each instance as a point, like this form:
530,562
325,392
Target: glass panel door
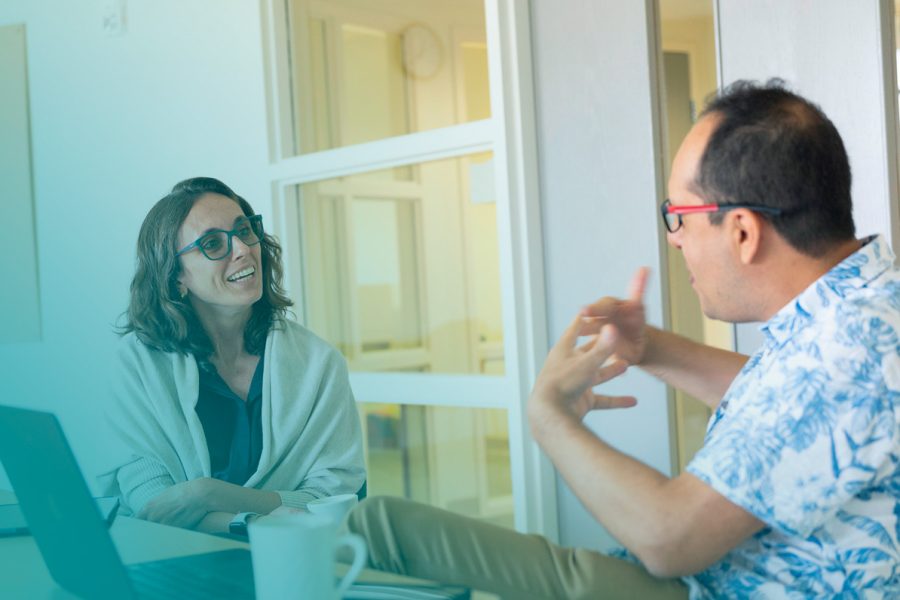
405,275
399,239
402,275
454,458
365,70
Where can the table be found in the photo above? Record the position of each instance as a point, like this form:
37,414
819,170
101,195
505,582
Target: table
24,575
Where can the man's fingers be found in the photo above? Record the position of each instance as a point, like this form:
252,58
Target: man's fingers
602,402
602,340
608,306
588,345
638,284
582,327
591,325
572,333
604,344
610,371
602,308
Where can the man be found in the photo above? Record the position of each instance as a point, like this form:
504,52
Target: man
795,491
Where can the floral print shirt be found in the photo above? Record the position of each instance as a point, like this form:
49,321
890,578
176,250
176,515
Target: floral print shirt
806,439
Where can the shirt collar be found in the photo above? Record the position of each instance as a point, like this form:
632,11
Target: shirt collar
211,381
852,273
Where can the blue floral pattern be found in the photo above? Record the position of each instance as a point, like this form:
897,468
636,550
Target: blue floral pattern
806,439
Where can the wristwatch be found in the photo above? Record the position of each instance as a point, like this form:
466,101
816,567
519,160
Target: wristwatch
238,525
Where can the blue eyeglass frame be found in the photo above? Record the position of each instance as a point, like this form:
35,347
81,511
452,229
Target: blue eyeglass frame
255,225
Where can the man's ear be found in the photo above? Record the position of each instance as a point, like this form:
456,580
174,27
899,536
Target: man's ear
746,233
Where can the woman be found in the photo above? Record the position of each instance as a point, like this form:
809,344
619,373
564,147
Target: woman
221,404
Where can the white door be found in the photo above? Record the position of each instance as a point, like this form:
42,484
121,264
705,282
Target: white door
392,171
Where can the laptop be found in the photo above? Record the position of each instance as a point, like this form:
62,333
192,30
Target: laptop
72,535
13,523
71,532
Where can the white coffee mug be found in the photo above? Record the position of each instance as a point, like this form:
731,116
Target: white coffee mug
333,507
293,556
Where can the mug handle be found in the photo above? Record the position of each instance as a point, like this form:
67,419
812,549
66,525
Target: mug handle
358,545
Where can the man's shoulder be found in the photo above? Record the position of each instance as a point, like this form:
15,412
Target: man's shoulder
877,301
851,340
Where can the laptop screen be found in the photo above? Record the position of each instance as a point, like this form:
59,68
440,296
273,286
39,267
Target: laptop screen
59,509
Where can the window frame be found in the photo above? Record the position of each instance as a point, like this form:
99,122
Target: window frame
510,134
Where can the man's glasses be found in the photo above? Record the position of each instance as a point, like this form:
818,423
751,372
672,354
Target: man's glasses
216,244
671,214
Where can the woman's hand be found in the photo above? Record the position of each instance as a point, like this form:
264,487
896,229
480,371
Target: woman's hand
286,510
181,505
228,497
564,387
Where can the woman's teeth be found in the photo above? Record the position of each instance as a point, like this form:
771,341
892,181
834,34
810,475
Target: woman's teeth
242,274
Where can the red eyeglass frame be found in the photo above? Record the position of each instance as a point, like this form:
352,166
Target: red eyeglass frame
667,208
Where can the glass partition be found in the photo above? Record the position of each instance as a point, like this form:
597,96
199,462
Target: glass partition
364,70
454,458
401,267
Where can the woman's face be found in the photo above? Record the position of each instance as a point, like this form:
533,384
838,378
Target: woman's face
235,281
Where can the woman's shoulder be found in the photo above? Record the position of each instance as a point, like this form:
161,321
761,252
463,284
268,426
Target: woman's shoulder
130,345
132,350
300,339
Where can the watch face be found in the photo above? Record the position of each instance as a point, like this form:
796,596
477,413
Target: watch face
238,524
237,528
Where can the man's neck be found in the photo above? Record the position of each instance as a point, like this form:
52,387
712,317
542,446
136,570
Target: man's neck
801,271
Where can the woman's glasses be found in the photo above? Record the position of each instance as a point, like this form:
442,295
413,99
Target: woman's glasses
216,244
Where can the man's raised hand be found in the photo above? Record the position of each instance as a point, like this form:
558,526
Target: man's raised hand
564,387
627,316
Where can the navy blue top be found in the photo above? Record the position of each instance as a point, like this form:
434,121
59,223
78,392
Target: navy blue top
233,427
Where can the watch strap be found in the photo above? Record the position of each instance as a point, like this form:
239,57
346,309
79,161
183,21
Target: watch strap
238,524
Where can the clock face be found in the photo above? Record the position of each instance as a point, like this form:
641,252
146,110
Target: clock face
422,51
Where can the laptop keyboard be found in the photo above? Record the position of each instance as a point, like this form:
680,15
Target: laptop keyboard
228,575
213,576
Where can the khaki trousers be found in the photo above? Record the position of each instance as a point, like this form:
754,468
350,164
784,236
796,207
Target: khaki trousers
422,541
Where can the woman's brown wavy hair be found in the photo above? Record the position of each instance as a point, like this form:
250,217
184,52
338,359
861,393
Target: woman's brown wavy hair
157,314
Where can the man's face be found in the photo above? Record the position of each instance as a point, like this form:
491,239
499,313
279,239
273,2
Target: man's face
705,246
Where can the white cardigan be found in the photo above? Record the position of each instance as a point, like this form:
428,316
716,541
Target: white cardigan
311,438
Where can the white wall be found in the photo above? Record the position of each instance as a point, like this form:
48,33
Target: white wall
839,55
834,56
598,156
116,121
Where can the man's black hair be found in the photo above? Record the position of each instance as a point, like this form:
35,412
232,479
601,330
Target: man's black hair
774,148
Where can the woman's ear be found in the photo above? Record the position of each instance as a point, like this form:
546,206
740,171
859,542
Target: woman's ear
181,287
